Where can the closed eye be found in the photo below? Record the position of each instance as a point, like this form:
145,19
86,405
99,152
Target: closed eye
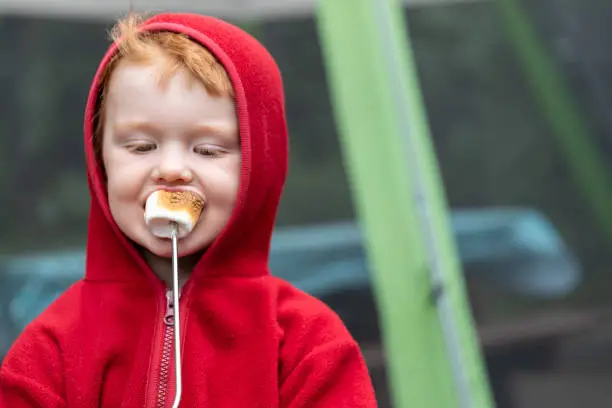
208,151
142,147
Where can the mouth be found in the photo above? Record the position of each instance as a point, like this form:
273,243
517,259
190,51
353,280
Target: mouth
168,209
172,190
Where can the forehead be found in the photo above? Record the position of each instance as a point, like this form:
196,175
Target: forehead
139,92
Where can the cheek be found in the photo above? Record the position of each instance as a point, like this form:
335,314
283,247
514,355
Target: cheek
222,185
121,185
232,184
122,188
124,175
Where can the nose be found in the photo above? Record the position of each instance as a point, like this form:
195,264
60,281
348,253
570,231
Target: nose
172,168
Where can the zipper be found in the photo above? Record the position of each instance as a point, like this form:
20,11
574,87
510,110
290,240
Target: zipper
166,355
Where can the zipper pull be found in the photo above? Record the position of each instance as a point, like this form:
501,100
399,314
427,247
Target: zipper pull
169,317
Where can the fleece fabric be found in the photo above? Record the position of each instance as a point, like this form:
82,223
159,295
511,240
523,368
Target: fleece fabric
248,339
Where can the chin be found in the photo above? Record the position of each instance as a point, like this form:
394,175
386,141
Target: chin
159,247
162,247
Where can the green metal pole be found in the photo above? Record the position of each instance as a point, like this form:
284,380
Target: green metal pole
433,353
574,138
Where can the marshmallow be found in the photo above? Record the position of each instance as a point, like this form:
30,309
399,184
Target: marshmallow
164,207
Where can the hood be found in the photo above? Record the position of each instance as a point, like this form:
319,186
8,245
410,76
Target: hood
242,249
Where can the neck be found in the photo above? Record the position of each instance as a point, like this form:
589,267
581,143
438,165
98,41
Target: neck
162,267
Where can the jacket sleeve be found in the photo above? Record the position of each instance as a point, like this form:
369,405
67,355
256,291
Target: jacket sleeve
321,365
334,375
31,373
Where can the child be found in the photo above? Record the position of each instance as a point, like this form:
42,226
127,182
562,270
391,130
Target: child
185,102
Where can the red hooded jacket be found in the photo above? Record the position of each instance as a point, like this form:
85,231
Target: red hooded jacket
248,339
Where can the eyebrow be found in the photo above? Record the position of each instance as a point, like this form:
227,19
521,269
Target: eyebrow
199,129
205,129
137,126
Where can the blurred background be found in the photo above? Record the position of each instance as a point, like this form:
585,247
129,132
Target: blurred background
519,108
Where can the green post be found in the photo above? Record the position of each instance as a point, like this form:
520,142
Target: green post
572,134
433,353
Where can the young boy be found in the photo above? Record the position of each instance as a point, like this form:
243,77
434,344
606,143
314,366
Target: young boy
190,103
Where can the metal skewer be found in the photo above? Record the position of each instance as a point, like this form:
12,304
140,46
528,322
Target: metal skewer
177,319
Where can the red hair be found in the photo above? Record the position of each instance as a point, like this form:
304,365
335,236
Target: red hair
178,52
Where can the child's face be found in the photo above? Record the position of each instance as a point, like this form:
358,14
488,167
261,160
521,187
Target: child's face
178,136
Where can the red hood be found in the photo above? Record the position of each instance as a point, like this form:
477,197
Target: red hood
242,248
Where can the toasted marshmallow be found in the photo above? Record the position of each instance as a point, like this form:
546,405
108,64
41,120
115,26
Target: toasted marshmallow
165,207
